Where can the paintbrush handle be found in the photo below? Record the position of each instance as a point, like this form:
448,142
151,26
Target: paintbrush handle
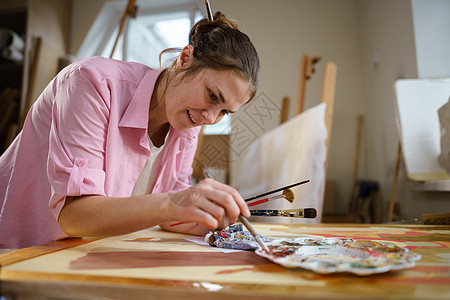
250,228
208,11
265,200
258,202
277,190
294,213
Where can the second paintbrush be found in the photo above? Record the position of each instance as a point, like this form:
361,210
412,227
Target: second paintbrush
287,194
309,213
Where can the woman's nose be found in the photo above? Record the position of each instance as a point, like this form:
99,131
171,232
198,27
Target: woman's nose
210,115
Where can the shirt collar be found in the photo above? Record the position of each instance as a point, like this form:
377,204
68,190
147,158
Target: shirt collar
136,114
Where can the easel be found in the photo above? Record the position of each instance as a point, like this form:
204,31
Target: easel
328,90
418,101
306,71
390,216
327,94
130,11
284,115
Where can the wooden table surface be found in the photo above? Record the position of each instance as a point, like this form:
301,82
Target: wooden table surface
154,264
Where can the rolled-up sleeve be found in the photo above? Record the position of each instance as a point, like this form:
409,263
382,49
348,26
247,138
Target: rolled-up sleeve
184,164
78,134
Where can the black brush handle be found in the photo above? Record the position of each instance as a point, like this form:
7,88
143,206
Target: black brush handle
308,213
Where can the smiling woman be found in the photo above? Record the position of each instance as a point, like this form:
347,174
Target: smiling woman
213,94
107,148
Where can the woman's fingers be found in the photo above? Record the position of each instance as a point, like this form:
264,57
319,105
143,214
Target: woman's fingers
237,198
226,197
210,203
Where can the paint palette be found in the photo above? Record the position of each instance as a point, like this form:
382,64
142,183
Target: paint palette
234,237
331,255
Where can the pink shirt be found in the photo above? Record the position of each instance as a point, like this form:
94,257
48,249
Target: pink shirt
86,134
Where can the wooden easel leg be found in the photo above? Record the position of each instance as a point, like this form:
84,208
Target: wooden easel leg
394,185
284,116
130,11
356,165
301,85
306,70
328,89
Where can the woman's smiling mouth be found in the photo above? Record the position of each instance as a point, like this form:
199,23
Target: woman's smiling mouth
191,117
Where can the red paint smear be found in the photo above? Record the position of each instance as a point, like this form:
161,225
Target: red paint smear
151,259
410,248
226,272
435,245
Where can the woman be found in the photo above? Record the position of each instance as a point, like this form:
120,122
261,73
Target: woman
108,146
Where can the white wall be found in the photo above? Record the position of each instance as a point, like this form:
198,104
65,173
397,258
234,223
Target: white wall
84,13
432,37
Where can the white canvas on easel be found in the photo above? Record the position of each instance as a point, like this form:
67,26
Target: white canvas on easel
290,153
418,101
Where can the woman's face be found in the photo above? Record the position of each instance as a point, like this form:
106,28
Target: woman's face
205,98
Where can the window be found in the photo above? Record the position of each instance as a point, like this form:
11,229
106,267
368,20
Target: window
147,35
157,26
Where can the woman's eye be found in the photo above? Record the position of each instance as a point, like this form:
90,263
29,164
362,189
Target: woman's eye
224,112
212,96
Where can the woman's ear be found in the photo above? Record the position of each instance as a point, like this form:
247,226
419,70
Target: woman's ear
186,57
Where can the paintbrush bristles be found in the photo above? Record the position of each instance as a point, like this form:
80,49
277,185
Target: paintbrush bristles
276,190
310,213
288,194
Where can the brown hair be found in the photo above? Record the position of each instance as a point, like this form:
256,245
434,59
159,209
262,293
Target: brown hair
220,45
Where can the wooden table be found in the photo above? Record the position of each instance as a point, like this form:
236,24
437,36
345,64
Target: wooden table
154,264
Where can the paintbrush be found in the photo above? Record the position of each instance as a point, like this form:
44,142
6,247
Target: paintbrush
276,190
309,213
250,228
208,11
287,194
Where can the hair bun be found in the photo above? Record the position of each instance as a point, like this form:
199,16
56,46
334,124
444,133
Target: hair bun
205,26
220,18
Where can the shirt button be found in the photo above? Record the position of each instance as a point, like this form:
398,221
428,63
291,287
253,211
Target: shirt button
80,163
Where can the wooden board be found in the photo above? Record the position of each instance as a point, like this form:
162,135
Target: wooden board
154,259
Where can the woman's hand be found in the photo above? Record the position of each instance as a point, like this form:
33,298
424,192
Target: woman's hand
207,205
210,203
